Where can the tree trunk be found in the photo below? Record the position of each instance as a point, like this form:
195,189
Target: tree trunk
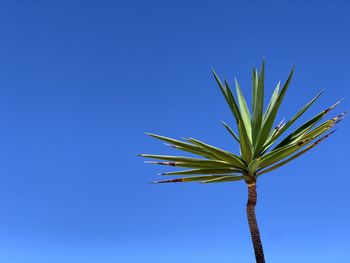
253,226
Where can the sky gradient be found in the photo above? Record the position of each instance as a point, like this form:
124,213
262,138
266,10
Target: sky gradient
80,83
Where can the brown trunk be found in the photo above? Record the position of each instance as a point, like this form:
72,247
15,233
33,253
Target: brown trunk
253,226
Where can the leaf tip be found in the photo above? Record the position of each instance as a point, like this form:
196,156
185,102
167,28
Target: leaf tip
168,181
333,106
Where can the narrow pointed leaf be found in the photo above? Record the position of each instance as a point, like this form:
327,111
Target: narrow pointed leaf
243,135
221,86
187,160
230,131
197,152
258,106
304,127
194,165
270,118
245,145
220,154
322,128
204,171
226,91
295,117
189,179
272,100
281,153
183,145
255,80
224,179
305,150
232,103
244,110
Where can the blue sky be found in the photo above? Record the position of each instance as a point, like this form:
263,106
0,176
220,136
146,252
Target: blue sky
80,83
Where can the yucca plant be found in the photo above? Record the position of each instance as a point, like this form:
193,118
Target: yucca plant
260,146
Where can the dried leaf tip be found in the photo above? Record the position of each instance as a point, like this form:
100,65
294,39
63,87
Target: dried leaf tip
324,137
340,117
333,106
162,163
168,181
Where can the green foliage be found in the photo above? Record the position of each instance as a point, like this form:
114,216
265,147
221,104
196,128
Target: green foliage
256,137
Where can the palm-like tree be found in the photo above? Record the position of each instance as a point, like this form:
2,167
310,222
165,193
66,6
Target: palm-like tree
261,149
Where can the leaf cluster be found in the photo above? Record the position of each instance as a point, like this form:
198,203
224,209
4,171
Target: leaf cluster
261,148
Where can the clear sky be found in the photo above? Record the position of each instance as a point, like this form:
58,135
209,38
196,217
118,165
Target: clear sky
80,83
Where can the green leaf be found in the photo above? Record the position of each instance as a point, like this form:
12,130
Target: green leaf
295,117
255,80
219,153
253,166
221,86
245,145
184,146
270,118
304,127
273,101
232,103
258,106
230,131
299,131
322,128
187,160
198,178
204,171
224,179
281,153
308,148
226,91
204,154
244,110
